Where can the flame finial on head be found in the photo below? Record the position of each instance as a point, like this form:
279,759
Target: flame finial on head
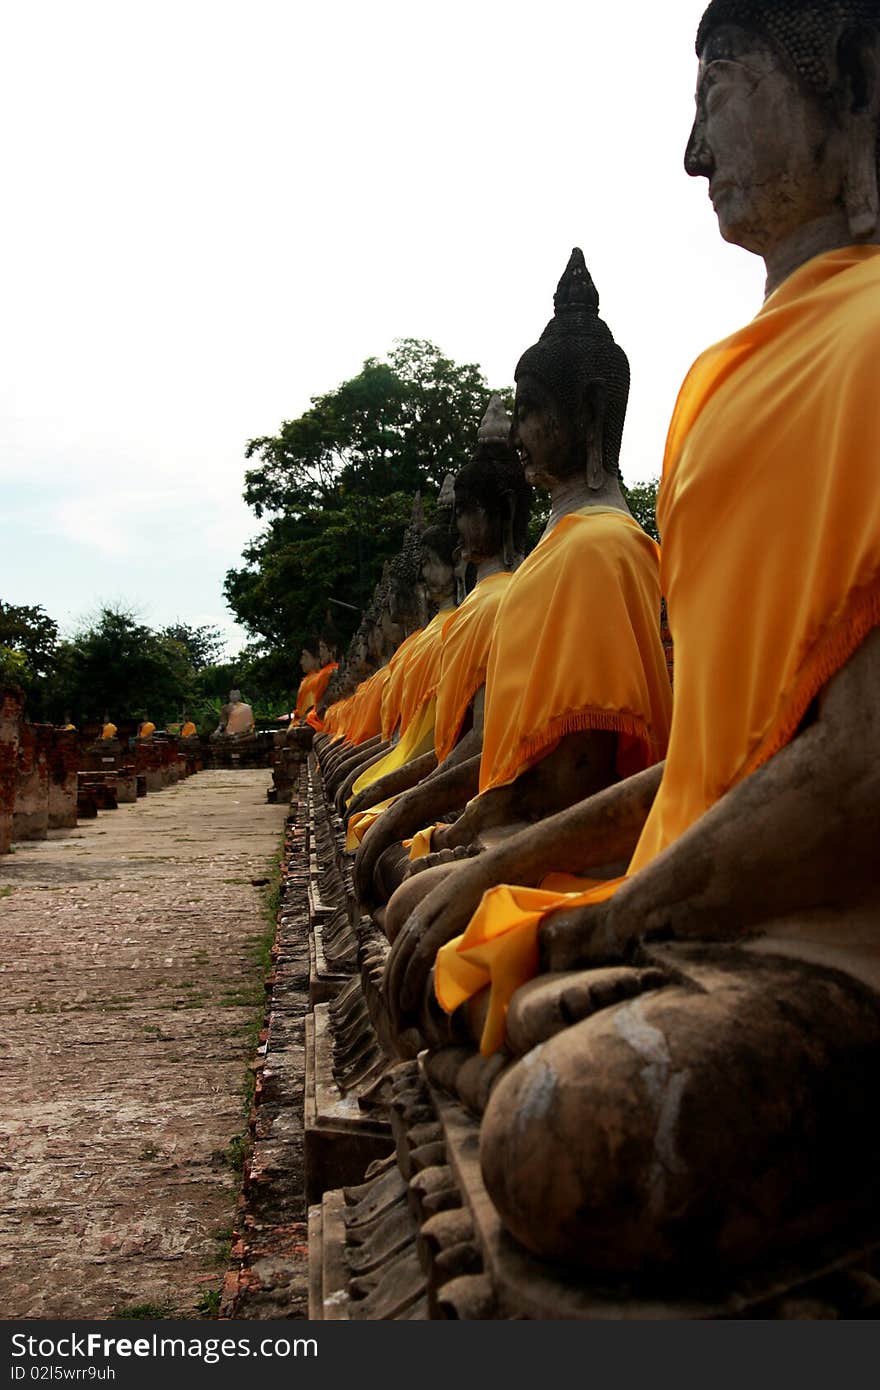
576,291
495,424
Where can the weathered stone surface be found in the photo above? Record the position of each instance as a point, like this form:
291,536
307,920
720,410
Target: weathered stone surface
131,987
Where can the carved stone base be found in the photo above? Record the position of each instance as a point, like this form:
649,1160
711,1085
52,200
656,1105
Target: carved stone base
471,1268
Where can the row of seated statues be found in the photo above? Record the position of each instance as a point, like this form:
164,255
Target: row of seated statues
635,918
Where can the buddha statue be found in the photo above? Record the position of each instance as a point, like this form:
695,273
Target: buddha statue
328,664
412,693
577,690
309,665
239,717
356,712
685,1085
491,505
108,728
401,619
146,728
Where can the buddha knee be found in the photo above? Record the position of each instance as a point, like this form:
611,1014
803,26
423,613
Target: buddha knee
690,1128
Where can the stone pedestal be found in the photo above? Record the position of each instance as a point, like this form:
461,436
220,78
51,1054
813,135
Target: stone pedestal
30,820
126,784
63,766
10,721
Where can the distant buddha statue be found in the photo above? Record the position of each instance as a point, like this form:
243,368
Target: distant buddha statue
328,662
188,728
146,728
689,1089
309,665
419,675
108,729
239,717
400,620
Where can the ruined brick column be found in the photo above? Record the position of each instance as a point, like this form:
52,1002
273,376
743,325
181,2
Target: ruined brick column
63,767
11,699
30,819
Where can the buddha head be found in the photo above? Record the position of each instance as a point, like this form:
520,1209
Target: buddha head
786,127
404,604
571,390
328,642
439,543
492,497
308,657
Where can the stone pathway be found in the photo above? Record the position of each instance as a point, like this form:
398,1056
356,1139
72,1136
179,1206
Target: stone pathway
131,975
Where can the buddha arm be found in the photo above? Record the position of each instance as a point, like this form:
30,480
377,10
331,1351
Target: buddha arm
580,765
412,811
593,833
800,833
339,767
347,781
393,783
471,743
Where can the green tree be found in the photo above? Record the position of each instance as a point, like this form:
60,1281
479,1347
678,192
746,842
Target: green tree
203,645
641,499
30,632
120,665
336,486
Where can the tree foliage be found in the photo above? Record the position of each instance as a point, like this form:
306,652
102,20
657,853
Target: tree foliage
336,487
203,645
31,633
641,499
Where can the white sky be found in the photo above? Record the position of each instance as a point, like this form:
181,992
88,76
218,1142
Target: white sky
216,211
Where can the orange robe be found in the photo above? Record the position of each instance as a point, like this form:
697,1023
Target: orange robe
322,680
467,637
577,647
420,675
770,514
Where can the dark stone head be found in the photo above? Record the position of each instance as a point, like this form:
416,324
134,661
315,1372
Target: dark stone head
807,32
404,609
787,116
493,484
579,365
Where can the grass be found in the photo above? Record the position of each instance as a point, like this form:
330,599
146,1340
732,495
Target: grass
209,1304
149,1311
5,892
252,996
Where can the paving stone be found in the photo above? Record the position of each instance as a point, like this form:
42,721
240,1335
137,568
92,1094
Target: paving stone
131,990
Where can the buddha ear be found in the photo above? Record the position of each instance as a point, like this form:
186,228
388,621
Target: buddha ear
507,542
595,402
858,65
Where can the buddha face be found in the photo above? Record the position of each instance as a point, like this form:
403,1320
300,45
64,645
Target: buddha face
308,661
438,576
326,654
478,529
771,154
543,437
390,630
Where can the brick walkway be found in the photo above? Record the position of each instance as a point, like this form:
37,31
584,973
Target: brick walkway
130,980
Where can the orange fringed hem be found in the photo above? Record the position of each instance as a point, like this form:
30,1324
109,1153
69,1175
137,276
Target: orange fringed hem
537,746
860,615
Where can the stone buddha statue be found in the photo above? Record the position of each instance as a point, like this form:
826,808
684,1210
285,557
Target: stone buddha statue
577,692
491,508
409,706
401,617
239,717
685,1088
